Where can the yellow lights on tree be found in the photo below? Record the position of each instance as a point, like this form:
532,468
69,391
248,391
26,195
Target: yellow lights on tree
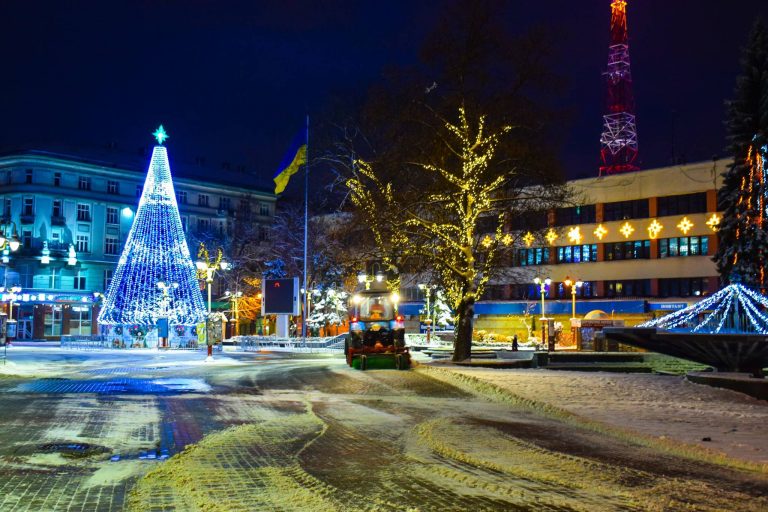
654,229
487,241
714,222
626,229
685,225
551,236
528,239
574,235
507,239
600,232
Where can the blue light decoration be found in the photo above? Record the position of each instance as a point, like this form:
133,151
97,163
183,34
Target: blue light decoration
155,251
734,309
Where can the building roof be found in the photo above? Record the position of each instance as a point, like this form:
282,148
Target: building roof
139,161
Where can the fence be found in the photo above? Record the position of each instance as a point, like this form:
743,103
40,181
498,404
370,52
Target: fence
273,343
100,342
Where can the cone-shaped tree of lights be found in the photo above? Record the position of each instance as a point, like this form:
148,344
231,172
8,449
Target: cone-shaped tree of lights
156,251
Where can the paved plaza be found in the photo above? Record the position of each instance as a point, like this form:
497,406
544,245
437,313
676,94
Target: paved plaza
149,430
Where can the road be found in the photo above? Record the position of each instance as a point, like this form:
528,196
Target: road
149,430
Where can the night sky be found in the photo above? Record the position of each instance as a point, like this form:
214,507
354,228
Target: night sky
232,80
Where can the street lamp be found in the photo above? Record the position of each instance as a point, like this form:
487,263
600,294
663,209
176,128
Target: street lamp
427,289
573,285
164,287
13,293
235,298
363,277
208,269
543,285
12,241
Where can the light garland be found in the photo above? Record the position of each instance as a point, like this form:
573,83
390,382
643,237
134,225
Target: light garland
714,222
574,235
685,225
734,309
626,229
528,239
600,231
654,229
156,250
551,236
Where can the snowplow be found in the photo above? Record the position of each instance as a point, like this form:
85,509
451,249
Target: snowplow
376,336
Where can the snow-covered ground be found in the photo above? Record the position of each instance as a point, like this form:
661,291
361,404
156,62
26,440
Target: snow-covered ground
666,407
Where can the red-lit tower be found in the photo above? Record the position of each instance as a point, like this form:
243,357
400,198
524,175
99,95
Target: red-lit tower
619,139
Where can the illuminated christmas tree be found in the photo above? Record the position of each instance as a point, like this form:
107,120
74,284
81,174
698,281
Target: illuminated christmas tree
743,232
155,276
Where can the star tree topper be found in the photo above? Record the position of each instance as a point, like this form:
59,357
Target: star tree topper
160,135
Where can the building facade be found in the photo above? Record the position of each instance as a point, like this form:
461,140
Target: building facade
641,243
72,216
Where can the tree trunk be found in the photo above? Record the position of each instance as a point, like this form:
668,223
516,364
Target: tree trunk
462,347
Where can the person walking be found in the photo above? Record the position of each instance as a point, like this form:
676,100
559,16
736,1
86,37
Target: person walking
514,343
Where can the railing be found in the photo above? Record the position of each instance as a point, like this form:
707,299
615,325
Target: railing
100,342
292,344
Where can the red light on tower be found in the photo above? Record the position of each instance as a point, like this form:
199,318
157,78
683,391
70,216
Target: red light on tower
618,141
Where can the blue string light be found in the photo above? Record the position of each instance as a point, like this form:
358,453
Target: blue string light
156,250
734,309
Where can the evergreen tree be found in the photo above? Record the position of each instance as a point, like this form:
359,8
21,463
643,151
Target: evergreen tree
743,240
155,251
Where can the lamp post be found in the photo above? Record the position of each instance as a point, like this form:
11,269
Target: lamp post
235,299
207,270
13,292
164,287
543,284
427,288
573,285
364,278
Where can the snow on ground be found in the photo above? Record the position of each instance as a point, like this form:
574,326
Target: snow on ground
666,407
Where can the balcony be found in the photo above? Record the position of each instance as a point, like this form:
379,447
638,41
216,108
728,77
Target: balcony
58,221
27,218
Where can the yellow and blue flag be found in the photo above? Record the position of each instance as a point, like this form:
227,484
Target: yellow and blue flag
294,158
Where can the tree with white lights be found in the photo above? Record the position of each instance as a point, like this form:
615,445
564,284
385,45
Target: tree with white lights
743,232
329,307
155,252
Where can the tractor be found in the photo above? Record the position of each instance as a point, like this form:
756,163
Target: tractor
376,336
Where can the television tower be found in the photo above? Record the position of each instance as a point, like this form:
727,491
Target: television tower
618,142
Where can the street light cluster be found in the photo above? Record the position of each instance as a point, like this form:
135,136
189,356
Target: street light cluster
574,285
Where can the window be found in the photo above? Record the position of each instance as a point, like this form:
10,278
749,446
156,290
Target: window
111,245
112,216
57,179
636,250
83,211
202,199
577,253
263,233
28,207
683,246
586,290
263,209
26,238
225,203
139,190
79,282
108,279
584,214
203,225
683,287
81,244
620,210
52,319
533,256
628,288
56,210
28,175
84,183
113,187
181,197
682,204
80,320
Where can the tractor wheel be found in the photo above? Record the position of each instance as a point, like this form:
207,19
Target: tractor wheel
363,362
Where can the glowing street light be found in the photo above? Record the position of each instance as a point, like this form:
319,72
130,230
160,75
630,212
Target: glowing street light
573,285
207,269
543,285
427,288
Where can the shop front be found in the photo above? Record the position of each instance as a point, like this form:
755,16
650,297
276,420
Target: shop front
49,316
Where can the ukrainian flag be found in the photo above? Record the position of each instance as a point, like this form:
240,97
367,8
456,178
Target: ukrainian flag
294,158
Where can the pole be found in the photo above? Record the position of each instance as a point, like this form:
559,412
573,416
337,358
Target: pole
542,290
429,318
305,305
208,318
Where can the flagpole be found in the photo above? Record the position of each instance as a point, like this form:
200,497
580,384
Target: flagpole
306,223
